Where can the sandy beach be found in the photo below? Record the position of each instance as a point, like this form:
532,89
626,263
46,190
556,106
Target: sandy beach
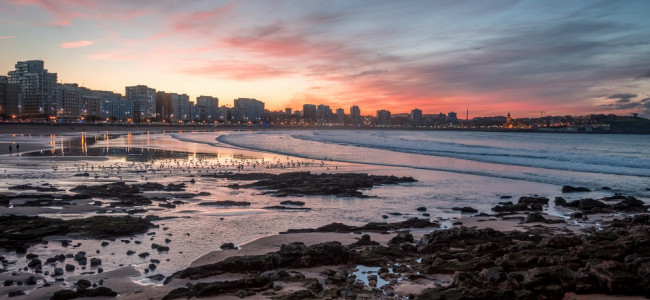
194,202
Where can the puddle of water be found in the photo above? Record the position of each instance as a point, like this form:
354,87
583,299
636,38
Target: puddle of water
363,272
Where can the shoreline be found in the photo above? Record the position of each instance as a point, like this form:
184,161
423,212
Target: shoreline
7,127
130,283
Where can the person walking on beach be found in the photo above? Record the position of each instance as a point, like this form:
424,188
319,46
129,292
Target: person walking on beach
10,150
17,148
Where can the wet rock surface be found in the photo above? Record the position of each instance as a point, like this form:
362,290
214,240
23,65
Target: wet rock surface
22,231
372,226
306,183
225,203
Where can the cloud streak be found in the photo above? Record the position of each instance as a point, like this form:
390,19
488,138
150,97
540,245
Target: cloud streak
77,44
7,37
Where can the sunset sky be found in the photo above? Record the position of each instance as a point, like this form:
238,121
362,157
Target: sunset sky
491,57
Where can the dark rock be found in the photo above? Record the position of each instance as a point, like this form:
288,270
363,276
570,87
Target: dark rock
538,218
465,209
630,203
372,226
289,202
159,247
226,203
281,207
306,183
586,204
144,254
297,295
157,277
31,280
613,277
517,207
27,229
364,240
401,237
95,262
69,267
421,208
294,255
532,200
578,216
34,263
228,246
15,294
70,294
83,284
205,289
561,241
571,189
559,201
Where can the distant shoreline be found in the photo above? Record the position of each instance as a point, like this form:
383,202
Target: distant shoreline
12,128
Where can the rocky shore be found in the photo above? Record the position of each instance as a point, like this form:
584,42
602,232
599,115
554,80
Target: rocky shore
306,183
456,263
514,251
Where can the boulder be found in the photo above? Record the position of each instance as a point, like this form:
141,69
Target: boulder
572,189
465,209
228,246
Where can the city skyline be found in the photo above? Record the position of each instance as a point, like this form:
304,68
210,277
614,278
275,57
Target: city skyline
438,56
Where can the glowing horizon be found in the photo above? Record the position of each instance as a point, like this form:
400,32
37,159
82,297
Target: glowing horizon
490,57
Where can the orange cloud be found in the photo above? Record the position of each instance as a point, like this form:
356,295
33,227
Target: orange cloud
77,44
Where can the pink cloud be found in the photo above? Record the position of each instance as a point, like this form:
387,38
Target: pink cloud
7,37
237,70
65,11
200,23
77,44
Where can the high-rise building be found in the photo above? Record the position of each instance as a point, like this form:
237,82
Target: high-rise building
452,117
10,98
209,107
250,110
225,114
416,117
181,107
164,109
323,113
355,115
107,101
196,112
38,88
144,101
309,113
287,111
121,109
340,116
69,97
91,105
383,117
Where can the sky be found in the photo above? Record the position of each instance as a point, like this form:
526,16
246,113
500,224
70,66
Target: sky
529,58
